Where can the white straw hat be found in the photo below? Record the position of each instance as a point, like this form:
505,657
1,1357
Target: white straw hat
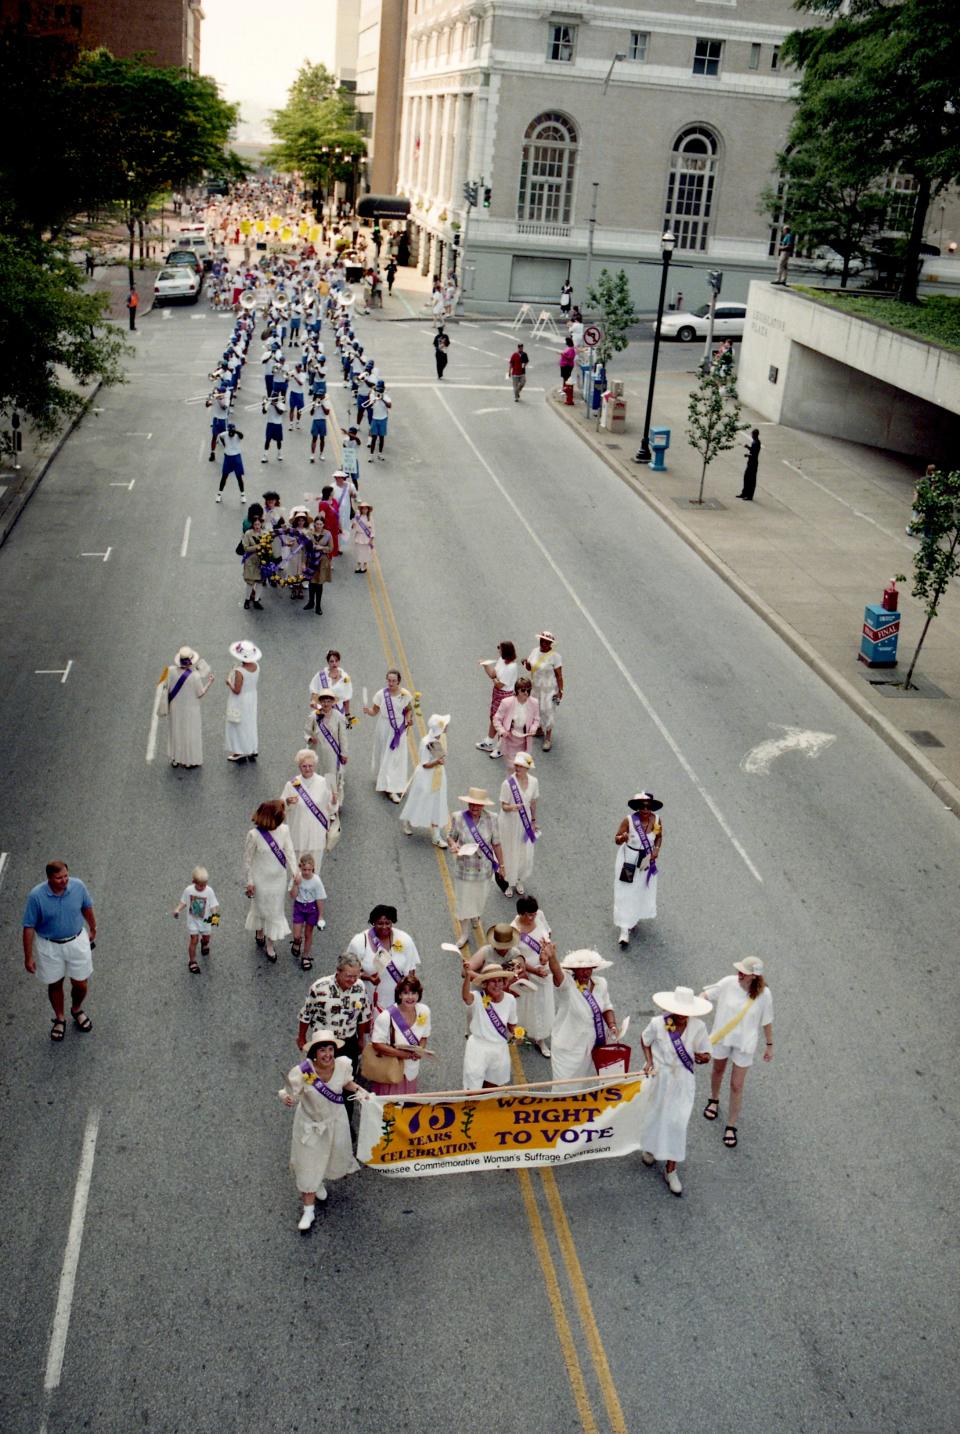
682,1002
584,960
749,966
245,651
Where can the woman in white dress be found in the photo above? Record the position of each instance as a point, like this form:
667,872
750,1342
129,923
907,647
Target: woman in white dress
186,683
545,666
311,805
638,839
535,1009
426,803
242,739
584,1015
743,1005
320,1145
493,1018
393,706
269,861
502,672
674,1044
332,678
519,831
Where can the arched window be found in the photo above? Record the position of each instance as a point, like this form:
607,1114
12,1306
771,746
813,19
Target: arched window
547,171
690,191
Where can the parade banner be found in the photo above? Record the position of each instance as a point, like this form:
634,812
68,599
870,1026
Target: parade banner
509,1128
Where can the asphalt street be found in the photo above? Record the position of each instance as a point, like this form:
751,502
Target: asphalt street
805,1282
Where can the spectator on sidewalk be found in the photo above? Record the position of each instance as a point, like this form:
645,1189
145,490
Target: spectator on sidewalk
441,346
56,945
517,370
752,450
391,274
133,300
784,253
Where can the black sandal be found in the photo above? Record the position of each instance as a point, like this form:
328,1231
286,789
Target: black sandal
260,940
730,1137
81,1020
306,963
193,968
55,1034
709,1114
296,947
204,945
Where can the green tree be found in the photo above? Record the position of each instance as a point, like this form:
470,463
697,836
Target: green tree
316,131
713,416
611,298
891,73
936,506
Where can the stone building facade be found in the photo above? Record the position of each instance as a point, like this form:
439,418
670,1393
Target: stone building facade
166,31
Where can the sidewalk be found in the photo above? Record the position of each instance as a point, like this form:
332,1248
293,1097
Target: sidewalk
823,537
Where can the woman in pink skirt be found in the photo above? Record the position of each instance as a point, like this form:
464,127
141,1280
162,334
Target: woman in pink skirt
517,721
402,1030
502,672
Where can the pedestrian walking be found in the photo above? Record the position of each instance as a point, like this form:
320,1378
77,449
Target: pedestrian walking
184,685
502,671
269,861
326,734
441,350
219,401
493,1020
363,534
298,380
255,542
317,565
518,720
309,897
519,831
341,1001
785,252
385,954
517,370
752,450
584,1016
350,453
638,840
378,406
59,934
545,666
318,427
241,738
743,1005
311,802
391,275
674,1044
275,409
232,459
133,302
400,1033
332,678
392,705
474,841
536,1006
199,900
321,1148
426,798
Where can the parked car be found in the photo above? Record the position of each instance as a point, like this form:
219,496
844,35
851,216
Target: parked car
728,323
178,281
828,261
185,256
196,240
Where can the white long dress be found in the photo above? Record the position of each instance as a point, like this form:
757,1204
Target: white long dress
403,956
390,767
486,1056
635,900
308,835
342,689
270,880
667,1099
536,1008
543,679
518,853
242,736
426,803
320,1145
184,735
574,1033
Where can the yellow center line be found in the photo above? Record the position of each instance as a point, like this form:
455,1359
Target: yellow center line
387,624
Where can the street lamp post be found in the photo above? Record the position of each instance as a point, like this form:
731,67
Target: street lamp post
667,242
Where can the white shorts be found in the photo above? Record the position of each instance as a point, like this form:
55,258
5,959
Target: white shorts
484,1061
743,1059
57,959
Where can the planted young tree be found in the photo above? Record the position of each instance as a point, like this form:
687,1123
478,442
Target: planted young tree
936,522
611,298
713,417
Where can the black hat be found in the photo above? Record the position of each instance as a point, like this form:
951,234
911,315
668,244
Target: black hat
644,800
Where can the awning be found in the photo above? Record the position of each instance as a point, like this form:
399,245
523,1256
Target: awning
383,206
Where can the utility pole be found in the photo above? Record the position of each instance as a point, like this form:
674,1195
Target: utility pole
591,226
715,280
471,191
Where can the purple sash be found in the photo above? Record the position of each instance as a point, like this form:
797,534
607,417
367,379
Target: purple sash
311,805
402,1026
528,832
474,831
495,1021
364,529
268,838
188,672
599,1025
646,844
393,972
683,1055
535,946
392,719
331,739
324,679
309,1069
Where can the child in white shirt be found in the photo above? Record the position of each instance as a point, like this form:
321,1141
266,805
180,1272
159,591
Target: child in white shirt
309,895
199,900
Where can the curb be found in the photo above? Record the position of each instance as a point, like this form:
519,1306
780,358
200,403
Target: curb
941,786
17,505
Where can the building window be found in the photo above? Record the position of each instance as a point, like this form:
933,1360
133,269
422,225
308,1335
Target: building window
754,57
901,194
706,57
547,170
638,44
775,58
690,189
563,40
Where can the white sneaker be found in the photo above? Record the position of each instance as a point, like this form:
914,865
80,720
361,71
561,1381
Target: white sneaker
322,1193
307,1218
406,828
624,937
312,459
439,842
264,458
485,746
279,457
647,1158
494,754
673,1182
219,498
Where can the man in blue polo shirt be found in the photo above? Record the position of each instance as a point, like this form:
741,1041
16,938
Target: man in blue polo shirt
56,945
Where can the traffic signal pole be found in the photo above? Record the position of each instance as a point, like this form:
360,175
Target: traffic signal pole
715,280
470,195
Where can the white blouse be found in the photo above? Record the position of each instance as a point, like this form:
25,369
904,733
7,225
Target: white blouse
729,999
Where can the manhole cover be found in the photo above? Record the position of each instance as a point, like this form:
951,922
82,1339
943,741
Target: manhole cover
925,739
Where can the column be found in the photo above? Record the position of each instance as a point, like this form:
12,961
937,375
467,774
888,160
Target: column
439,141
461,136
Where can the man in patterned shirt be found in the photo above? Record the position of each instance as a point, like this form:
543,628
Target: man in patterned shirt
339,1003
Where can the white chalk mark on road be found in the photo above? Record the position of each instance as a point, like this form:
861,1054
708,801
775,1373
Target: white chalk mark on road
186,537
71,1258
105,556
128,486
849,506
795,739
477,411
62,672
4,857
611,651
136,434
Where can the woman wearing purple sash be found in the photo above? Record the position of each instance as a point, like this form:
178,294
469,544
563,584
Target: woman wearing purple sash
311,808
269,861
638,840
584,1017
536,1008
493,1016
518,824
402,1030
186,684
320,1146
393,707
674,1044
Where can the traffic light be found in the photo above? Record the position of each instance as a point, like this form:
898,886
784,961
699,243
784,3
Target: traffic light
487,194
715,280
470,193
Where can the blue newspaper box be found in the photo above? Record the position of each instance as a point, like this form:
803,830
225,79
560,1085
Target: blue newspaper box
881,632
659,443
599,384
586,380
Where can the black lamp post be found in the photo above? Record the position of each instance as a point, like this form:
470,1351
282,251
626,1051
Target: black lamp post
667,242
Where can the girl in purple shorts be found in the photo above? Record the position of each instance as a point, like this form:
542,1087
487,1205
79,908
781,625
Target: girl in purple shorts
309,895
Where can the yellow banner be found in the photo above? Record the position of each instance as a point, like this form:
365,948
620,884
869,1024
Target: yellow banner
499,1130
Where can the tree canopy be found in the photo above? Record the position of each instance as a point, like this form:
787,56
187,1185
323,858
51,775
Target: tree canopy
317,120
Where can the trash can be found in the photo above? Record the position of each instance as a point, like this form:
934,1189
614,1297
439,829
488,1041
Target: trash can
613,415
659,443
879,638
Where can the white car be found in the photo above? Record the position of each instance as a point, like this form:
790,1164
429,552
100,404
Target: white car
178,281
728,324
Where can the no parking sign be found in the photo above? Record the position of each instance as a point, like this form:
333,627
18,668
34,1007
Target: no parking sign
592,335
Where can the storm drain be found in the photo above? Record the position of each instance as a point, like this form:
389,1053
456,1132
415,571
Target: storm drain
925,739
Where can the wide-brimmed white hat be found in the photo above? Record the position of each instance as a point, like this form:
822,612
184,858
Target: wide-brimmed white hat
547,635
492,973
245,651
524,759
187,654
584,960
325,695
749,966
439,720
321,1036
682,1002
476,797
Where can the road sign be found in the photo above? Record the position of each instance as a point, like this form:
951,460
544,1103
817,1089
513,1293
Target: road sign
592,335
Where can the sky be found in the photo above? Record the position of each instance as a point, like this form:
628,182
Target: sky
255,48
